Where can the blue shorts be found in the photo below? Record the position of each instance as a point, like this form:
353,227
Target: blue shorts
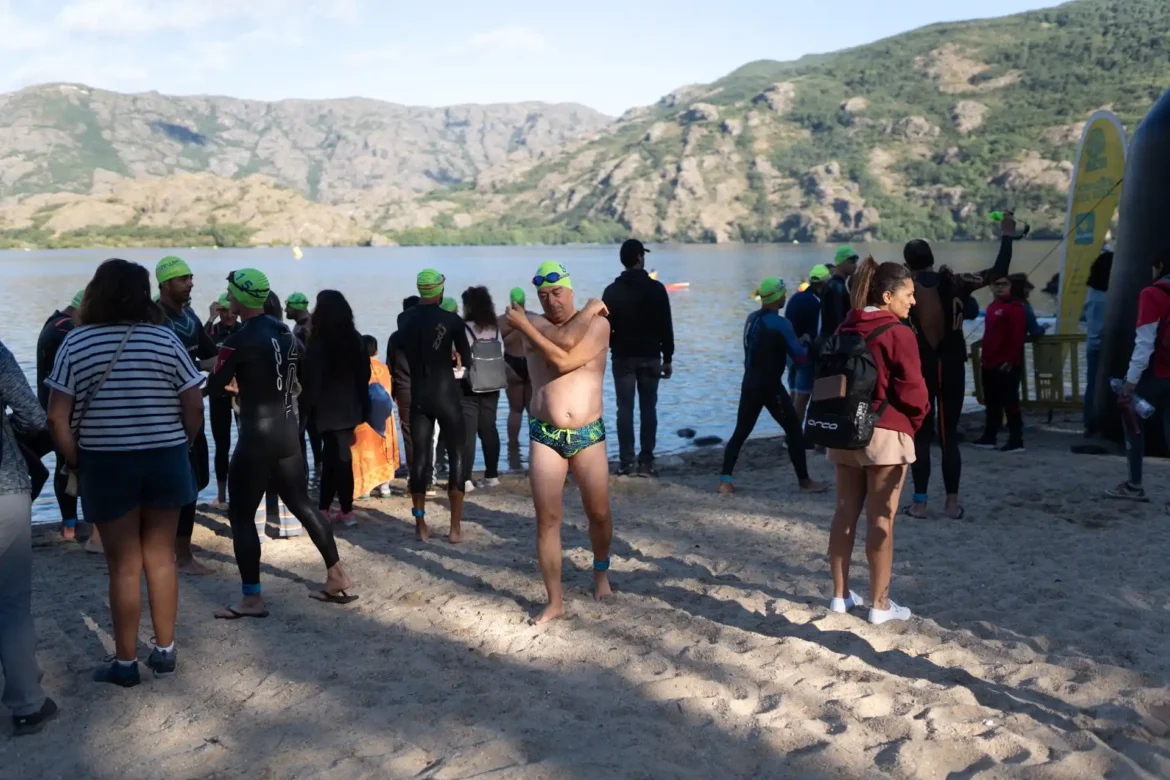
114,483
800,377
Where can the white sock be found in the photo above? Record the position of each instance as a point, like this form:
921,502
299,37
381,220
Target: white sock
168,649
126,664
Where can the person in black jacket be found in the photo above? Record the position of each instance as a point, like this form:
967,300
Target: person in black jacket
400,381
835,295
55,330
642,342
336,393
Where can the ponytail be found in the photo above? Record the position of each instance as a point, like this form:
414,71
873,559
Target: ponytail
872,281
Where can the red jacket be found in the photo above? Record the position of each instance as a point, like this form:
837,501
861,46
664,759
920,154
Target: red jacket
1005,326
900,381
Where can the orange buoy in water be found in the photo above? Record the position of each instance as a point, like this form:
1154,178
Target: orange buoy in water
677,285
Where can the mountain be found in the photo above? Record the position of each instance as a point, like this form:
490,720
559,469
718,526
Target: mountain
920,134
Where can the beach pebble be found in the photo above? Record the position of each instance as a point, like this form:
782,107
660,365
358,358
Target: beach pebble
708,441
686,433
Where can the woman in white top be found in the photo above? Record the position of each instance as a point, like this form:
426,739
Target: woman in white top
124,406
479,408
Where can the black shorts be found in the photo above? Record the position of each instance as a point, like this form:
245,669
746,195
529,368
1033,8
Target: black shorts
517,364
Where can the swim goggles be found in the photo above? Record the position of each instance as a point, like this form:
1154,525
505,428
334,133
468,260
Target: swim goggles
551,278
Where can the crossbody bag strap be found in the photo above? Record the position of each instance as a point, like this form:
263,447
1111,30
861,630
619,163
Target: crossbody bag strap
106,375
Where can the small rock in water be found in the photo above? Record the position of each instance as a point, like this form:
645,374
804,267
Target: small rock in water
686,433
708,441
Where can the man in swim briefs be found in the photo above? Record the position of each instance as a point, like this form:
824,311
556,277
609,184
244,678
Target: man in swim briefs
519,382
566,351
428,335
262,356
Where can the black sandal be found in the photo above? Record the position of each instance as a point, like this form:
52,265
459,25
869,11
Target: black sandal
340,597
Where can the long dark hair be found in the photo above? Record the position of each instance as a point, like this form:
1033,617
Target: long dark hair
332,329
478,308
1099,271
272,306
119,292
872,281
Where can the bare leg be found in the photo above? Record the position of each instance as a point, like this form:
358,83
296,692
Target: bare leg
884,490
162,577
123,545
455,535
547,471
591,473
851,487
419,501
515,412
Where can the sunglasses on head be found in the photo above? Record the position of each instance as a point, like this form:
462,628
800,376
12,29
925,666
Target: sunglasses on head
552,278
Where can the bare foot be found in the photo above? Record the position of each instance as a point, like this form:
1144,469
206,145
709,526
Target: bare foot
193,567
550,614
94,545
421,532
336,579
809,486
726,488
69,532
455,535
248,606
601,589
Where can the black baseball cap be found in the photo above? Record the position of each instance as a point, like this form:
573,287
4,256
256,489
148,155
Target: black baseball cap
632,249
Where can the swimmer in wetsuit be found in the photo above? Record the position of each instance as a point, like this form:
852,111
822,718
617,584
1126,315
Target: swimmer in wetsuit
768,341
262,357
221,408
519,382
427,336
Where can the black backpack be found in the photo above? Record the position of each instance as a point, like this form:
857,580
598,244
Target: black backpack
841,413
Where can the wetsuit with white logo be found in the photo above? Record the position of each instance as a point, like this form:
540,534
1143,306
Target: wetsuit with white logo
220,411
768,341
428,336
262,357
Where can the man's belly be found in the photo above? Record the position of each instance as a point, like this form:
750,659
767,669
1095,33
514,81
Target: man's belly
569,401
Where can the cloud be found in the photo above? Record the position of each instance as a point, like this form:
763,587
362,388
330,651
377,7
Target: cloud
92,65
132,17
15,35
382,56
507,40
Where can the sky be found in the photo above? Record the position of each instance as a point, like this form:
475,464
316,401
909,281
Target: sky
610,55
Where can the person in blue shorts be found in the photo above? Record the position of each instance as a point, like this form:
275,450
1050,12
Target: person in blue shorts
804,312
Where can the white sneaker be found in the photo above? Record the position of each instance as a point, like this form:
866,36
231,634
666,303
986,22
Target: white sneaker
895,612
469,486
488,483
844,605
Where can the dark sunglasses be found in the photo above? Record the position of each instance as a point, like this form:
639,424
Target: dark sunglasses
552,278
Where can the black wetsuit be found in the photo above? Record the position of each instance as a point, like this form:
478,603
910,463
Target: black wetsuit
308,424
262,357
189,328
768,341
55,330
427,335
220,411
835,305
944,366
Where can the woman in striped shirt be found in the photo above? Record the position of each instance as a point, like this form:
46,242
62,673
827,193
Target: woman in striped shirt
124,406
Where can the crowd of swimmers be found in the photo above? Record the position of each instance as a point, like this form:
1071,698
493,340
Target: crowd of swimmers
123,374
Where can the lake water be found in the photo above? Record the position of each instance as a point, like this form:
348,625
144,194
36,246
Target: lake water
708,317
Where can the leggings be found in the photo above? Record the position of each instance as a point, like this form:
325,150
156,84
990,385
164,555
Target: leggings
1001,390
221,434
946,381
445,409
337,471
248,477
752,399
479,417
402,400
309,428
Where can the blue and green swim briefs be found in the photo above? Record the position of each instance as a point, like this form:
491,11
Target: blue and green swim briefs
567,442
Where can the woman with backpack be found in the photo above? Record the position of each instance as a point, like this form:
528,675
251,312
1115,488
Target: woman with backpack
870,477
482,381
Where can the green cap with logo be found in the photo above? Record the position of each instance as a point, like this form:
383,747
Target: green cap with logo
449,304
171,268
298,302
552,274
771,289
77,299
517,296
844,254
430,283
248,287
819,273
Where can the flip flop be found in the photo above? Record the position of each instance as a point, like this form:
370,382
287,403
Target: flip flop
236,615
961,515
341,597
907,511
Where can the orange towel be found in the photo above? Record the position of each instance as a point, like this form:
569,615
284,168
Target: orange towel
375,459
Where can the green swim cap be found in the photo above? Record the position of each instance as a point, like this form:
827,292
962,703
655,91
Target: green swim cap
223,301
430,283
552,267
771,290
819,273
844,255
77,299
298,302
517,296
171,268
449,304
248,287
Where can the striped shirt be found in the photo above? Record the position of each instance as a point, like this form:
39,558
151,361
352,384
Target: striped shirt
138,406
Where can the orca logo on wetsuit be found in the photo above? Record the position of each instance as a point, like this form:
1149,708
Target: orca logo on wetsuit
279,375
828,426
440,332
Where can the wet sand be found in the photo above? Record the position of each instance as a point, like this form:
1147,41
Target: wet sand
1039,649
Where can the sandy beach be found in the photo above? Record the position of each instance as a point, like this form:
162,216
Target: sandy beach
1039,647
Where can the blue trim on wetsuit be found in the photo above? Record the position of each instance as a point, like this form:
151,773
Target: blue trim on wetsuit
250,590
600,565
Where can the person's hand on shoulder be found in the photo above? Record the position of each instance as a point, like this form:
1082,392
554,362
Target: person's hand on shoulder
596,307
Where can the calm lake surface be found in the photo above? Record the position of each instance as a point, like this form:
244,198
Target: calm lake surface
708,317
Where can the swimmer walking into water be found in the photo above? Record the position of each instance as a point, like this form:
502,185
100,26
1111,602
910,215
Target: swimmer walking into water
566,351
261,356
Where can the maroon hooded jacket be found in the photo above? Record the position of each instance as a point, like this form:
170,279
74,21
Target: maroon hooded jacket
900,382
